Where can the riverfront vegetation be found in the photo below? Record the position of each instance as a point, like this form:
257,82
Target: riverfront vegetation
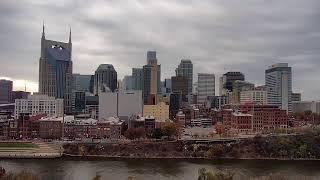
17,145
302,146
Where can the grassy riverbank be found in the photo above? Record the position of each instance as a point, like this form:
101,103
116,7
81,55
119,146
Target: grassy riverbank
17,145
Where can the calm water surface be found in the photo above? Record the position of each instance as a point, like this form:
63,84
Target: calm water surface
67,169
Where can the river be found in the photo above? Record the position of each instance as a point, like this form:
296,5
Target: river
68,169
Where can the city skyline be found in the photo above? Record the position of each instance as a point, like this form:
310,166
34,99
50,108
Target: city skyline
101,37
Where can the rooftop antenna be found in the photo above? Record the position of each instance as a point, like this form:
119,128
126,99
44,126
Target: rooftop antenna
43,33
69,34
25,86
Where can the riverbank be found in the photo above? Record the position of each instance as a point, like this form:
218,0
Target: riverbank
29,150
105,157
300,147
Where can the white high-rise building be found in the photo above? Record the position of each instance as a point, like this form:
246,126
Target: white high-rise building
253,96
206,86
121,104
39,104
278,79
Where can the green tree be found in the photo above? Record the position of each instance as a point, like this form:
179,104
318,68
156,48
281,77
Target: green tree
169,129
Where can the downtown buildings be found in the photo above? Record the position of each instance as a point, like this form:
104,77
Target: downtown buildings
227,80
278,79
206,87
105,79
120,104
185,69
5,91
151,78
39,104
55,70
137,78
99,96
253,97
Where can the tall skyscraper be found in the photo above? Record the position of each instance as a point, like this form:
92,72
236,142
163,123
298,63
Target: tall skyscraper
137,78
185,69
105,77
206,86
151,57
278,79
55,70
151,78
5,91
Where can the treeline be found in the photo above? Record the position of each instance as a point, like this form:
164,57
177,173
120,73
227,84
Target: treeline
305,146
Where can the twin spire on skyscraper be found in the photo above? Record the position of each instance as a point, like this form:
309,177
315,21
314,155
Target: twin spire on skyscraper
43,33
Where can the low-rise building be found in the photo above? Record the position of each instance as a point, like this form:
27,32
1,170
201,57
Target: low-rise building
241,122
181,119
39,104
149,124
111,128
201,122
264,117
50,128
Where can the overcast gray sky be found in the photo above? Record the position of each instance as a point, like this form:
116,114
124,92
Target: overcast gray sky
217,35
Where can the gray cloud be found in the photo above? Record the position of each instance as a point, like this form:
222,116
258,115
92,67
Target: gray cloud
217,35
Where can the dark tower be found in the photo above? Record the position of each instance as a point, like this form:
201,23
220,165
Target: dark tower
55,69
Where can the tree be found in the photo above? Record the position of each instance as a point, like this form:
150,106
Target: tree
135,133
157,134
169,129
216,151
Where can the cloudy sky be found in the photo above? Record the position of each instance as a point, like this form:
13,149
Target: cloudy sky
217,35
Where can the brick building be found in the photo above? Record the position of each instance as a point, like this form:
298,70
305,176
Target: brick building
241,121
263,117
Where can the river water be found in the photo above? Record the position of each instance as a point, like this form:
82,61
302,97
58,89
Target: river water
68,169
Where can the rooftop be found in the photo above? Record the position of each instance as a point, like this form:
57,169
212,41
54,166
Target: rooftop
105,67
241,114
